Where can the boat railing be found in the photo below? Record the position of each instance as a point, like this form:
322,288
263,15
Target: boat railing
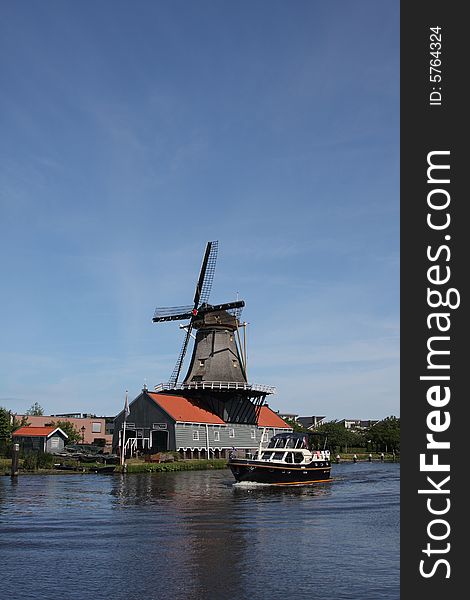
307,454
321,454
266,453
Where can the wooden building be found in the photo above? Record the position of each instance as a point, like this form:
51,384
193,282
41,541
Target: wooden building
163,422
40,439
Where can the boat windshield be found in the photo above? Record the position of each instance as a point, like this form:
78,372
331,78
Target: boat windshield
288,440
291,443
277,442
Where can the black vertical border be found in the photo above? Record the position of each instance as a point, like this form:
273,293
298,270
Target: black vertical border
424,129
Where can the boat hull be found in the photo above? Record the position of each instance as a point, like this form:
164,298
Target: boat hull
258,472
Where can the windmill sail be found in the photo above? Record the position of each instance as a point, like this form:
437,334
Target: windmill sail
206,275
179,363
172,313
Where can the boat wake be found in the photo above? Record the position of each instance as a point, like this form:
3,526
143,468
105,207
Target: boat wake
251,484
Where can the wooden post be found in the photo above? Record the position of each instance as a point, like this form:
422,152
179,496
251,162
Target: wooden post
15,459
123,442
208,445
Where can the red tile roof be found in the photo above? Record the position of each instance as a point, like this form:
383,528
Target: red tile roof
34,431
181,409
268,418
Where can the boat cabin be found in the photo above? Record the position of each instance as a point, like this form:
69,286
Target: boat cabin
291,448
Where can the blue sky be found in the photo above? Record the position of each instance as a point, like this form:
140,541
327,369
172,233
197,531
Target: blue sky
134,132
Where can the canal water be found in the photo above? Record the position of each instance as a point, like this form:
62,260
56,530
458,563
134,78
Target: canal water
197,535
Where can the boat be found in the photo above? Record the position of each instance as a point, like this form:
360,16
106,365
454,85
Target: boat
65,467
105,469
288,459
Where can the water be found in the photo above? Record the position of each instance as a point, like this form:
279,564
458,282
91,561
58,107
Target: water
197,535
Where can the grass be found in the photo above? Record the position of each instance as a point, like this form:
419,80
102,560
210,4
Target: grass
5,464
132,466
179,465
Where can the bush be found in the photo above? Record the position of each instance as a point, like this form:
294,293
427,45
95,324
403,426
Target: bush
5,448
38,460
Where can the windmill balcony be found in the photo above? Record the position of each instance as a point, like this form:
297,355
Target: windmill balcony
216,385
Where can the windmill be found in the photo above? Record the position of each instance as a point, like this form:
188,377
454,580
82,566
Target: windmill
216,376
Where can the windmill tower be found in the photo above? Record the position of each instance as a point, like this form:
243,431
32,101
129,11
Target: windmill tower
216,376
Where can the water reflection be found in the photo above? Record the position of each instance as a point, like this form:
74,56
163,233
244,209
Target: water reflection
200,518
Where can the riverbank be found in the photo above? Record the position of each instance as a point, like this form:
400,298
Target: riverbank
365,457
132,466
139,466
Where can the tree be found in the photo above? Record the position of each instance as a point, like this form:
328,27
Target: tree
385,435
17,423
70,429
296,426
340,438
35,410
8,424
337,436
5,423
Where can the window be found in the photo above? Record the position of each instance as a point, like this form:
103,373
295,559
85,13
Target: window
195,436
231,432
201,363
234,362
96,427
253,434
216,436
265,436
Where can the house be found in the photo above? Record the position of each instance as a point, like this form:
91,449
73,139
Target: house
40,439
310,422
290,416
358,424
92,430
164,422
